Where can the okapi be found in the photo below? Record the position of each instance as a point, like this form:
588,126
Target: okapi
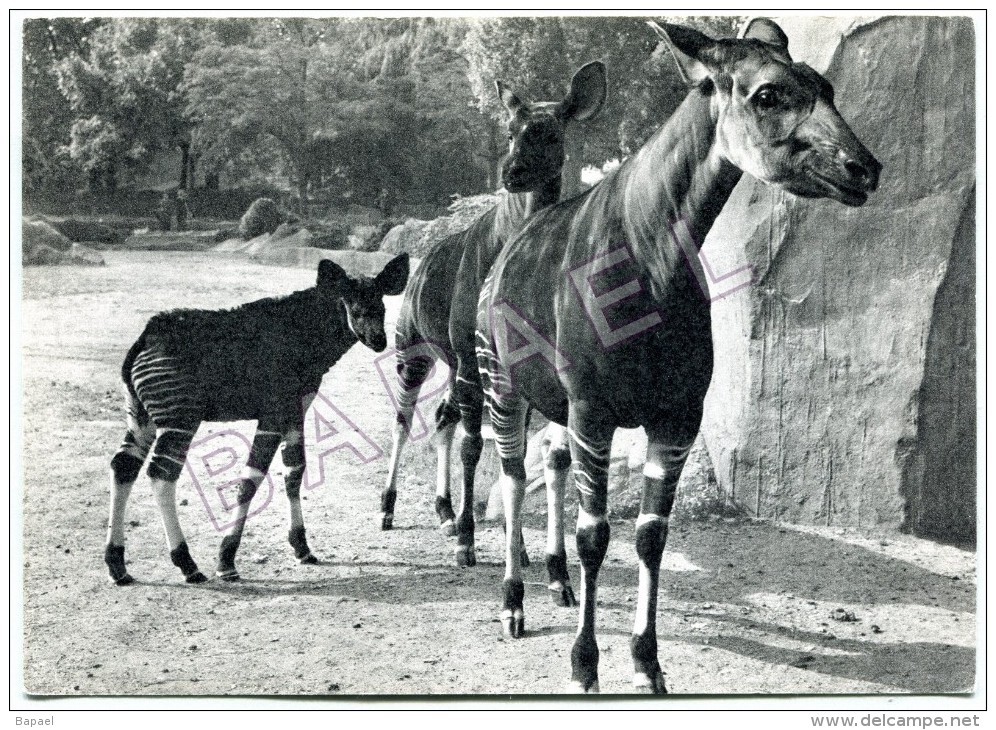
439,311
635,348
262,361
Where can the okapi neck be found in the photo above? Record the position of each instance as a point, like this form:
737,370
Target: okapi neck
546,196
679,178
520,206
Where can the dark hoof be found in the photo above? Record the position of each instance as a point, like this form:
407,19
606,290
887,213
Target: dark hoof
114,559
563,597
514,624
448,528
308,559
645,684
582,688
229,576
444,511
197,577
465,557
386,522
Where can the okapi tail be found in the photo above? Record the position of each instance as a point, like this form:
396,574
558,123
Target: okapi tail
129,363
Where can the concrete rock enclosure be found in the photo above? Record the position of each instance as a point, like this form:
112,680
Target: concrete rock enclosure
844,391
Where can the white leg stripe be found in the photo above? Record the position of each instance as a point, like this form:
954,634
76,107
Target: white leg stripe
251,472
586,520
653,471
645,518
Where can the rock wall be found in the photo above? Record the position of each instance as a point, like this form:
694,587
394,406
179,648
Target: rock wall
844,388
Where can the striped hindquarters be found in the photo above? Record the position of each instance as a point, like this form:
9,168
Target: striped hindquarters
164,387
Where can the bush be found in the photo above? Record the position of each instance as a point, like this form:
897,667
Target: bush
368,238
330,235
81,231
417,237
262,217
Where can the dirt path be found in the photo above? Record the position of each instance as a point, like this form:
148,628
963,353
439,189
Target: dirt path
745,607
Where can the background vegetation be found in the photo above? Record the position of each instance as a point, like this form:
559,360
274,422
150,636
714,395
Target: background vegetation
392,113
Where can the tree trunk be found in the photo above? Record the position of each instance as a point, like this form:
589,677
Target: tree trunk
302,195
184,165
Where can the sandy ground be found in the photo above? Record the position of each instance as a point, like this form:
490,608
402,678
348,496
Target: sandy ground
746,607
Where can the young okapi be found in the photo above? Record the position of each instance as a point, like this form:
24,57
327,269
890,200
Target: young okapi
262,361
635,347
439,311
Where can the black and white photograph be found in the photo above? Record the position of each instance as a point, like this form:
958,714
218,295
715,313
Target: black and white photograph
388,355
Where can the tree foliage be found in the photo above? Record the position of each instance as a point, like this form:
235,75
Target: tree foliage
344,109
124,92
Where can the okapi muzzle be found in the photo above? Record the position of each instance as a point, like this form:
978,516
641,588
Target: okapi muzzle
832,161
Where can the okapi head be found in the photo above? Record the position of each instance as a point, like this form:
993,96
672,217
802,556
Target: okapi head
363,298
536,131
775,119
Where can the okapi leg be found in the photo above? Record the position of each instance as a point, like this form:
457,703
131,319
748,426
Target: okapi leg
447,417
509,418
125,467
264,447
294,463
590,449
471,401
557,462
660,482
412,373
168,456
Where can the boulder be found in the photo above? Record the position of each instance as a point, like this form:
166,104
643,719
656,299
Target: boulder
42,245
263,216
844,386
36,234
83,256
405,237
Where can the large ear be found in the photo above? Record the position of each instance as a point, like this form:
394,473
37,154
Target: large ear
688,47
391,281
588,91
765,30
508,98
330,274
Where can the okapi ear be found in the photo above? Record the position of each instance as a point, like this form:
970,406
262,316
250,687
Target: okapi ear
588,91
330,274
767,31
508,98
391,281
688,47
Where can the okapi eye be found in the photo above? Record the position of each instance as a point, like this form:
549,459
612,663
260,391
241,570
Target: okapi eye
766,98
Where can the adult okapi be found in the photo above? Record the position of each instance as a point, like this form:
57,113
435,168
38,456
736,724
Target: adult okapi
439,312
594,316
263,361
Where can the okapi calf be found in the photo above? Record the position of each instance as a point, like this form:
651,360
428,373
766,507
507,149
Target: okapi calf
439,312
261,361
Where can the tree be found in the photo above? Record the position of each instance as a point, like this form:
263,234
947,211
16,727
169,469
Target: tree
46,113
123,90
360,104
